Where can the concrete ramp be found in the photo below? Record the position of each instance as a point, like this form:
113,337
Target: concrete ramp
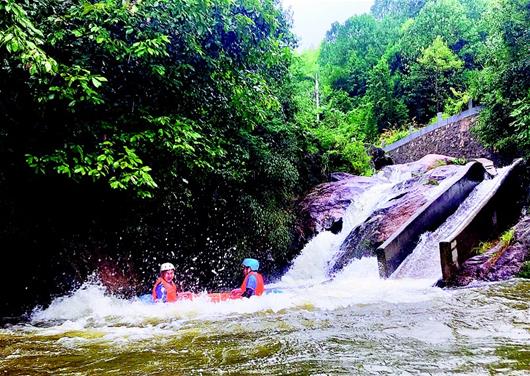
431,215
498,209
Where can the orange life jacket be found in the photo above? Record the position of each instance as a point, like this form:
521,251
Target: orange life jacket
171,290
260,287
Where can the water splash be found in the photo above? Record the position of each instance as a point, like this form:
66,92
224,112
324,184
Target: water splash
311,266
355,323
91,308
306,285
330,328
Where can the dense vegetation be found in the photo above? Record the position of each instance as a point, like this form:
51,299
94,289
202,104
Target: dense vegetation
138,131
396,68
152,130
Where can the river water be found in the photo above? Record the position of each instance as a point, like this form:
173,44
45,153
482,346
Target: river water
355,323
352,325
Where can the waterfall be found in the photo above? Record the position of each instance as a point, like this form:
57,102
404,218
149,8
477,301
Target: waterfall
311,266
306,284
424,261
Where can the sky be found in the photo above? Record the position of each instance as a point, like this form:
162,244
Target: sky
312,18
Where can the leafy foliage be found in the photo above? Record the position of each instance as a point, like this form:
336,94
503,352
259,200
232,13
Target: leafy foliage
337,131
22,40
413,59
396,8
436,70
503,83
187,103
438,19
192,127
389,110
393,135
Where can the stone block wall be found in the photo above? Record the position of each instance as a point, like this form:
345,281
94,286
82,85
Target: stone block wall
454,139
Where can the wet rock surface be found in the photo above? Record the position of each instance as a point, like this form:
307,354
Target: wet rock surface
323,208
410,196
379,158
499,263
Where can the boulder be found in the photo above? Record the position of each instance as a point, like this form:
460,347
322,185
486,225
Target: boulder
409,196
323,208
379,158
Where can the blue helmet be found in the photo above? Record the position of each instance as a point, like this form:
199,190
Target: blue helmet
251,263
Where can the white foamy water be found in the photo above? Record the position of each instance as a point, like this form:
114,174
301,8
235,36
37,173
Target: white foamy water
353,324
424,261
391,326
305,286
311,266
118,320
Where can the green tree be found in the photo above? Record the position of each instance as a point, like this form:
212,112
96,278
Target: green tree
438,18
336,136
186,102
305,73
502,86
135,76
342,137
436,71
389,111
349,51
396,8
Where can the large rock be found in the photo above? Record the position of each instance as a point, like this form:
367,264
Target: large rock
500,262
323,208
409,196
379,158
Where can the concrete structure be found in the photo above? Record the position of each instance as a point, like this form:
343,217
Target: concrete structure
451,137
498,210
396,248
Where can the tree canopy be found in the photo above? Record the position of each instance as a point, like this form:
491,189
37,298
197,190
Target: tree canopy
189,129
410,59
187,104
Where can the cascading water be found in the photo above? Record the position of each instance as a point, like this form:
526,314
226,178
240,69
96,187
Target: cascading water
311,266
355,323
424,261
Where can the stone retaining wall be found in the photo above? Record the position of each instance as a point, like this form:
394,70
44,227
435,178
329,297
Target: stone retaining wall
453,139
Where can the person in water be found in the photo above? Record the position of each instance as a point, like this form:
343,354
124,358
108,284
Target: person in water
253,281
165,290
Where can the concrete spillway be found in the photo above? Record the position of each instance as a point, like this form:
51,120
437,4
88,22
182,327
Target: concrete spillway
497,209
417,251
431,215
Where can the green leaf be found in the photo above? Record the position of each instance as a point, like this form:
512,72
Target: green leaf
95,82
